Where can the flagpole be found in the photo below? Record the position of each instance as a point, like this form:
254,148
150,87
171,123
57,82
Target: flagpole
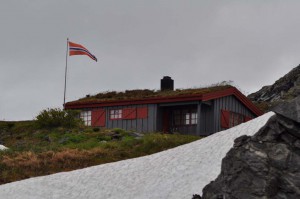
66,69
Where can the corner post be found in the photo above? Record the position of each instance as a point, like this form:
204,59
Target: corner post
199,118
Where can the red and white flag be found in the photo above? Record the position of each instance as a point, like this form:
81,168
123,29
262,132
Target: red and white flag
77,49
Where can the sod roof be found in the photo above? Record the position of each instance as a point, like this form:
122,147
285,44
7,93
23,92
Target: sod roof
140,94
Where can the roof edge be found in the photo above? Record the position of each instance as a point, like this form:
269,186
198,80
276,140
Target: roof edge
233,91
203,97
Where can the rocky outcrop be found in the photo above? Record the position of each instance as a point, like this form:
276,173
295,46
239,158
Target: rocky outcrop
266,165
286,88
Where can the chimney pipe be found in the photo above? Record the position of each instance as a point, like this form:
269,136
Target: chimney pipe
166,83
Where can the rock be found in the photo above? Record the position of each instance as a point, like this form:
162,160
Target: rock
135,134
264,166
115,135
297,144
289,109
196,196
48,138
285,88
63,140
240,140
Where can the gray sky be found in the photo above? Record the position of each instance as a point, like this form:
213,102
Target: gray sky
137,42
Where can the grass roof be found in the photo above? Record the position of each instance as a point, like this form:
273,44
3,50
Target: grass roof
146,94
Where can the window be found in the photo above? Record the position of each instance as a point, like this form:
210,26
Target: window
190,118
194,117
115,114
86,116
185,117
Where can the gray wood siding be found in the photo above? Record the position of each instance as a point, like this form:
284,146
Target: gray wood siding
229,103
140,125
210,117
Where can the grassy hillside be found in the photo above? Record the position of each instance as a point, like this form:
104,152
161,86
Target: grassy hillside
35,151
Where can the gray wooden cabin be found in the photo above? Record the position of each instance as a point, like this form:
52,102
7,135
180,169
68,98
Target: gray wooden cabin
194,112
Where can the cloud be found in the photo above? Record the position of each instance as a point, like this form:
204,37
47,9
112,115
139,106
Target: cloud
137,42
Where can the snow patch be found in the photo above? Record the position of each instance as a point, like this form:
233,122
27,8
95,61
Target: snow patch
2,147
175,173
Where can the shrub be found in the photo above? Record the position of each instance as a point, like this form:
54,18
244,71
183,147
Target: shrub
10,125
103,138
55,117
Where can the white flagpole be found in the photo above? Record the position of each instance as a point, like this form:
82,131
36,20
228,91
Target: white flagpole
66,69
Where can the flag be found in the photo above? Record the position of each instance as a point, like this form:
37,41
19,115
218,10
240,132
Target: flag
77,49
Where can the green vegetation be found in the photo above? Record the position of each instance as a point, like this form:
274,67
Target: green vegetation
146,93
263,106
55,117
35,150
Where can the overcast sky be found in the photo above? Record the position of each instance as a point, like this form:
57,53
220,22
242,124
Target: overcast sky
137,42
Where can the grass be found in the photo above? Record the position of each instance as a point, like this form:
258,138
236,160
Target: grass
146,93
36,152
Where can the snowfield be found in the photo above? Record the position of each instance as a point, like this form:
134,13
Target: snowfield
176,173
2,147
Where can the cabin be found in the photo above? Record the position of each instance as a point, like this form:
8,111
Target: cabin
201,111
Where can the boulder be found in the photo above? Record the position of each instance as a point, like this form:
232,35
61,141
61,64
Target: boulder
266,165
289,109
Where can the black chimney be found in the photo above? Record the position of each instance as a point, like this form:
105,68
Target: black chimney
166,83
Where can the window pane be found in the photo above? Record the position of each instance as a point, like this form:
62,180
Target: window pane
187,116
194,115
194,118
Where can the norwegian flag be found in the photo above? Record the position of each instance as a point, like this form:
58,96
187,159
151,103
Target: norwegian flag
77,49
